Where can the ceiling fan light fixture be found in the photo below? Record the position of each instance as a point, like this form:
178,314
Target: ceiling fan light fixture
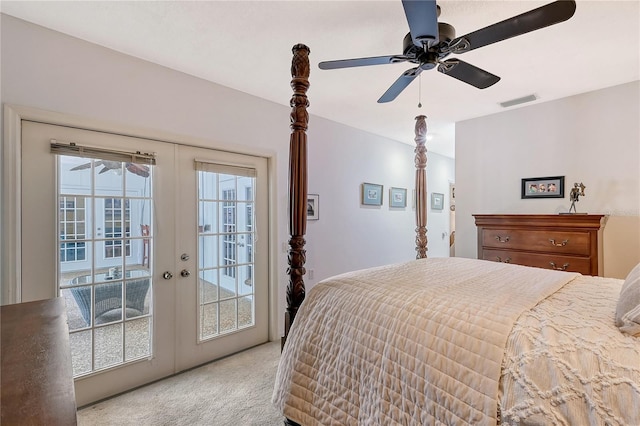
429,42
518,101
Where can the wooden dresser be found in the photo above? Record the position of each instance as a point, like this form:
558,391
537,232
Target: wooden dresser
36,375
561,242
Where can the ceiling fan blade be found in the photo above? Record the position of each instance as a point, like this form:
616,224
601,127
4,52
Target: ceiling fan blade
400,84
360,62
422,16
544,16
468,73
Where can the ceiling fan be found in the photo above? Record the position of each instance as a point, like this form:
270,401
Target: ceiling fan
429,42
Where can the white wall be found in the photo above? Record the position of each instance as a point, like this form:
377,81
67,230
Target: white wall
350,236
592,138
47,70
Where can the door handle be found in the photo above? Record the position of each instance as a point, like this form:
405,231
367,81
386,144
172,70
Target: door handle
185,273
167,275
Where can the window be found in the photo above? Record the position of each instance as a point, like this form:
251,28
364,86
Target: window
229,229
72,227
116,218
249,212
226,228
109,299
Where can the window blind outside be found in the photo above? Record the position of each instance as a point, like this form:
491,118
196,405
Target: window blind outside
205,166
76,150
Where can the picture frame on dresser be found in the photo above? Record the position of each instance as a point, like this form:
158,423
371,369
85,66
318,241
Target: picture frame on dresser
542,187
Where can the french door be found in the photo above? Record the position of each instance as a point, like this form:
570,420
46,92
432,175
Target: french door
159,251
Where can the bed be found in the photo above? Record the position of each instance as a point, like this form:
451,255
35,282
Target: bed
451,341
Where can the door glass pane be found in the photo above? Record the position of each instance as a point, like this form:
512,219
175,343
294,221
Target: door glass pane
225,258
138,338
104,260
81,353
108,177
208,286
208,251
108,346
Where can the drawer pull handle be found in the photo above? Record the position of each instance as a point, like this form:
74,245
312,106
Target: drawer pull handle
507,260
562,244
502,240
559,268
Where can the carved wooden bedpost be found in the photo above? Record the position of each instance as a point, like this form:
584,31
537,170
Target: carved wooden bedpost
297,183
421,187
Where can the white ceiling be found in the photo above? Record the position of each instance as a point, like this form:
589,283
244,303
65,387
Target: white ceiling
246,45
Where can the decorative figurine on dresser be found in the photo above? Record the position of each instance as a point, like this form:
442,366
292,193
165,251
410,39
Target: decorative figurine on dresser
574,195
564,242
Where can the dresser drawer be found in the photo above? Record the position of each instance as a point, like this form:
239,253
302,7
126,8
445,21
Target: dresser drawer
540,260
564,242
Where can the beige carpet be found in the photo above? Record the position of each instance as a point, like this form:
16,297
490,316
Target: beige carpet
232,391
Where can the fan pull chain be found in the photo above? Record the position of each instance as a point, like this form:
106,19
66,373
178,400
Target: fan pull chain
420,91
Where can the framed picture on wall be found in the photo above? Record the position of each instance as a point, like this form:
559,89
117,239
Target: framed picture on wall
313,206
542,187
371,194
398,197
437,201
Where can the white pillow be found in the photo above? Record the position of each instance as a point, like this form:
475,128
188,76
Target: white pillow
628,307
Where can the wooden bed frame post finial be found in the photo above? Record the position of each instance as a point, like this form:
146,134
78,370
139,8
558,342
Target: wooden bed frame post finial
421,186
297,184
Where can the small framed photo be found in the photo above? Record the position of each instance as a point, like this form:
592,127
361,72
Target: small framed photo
398,197
313,206
437,201
371,194
543,187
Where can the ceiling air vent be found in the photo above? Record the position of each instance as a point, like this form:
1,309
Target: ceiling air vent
518,101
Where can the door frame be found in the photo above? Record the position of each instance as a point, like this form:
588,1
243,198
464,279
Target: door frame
10,221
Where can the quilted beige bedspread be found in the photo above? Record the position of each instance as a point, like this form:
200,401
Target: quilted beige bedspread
417,343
